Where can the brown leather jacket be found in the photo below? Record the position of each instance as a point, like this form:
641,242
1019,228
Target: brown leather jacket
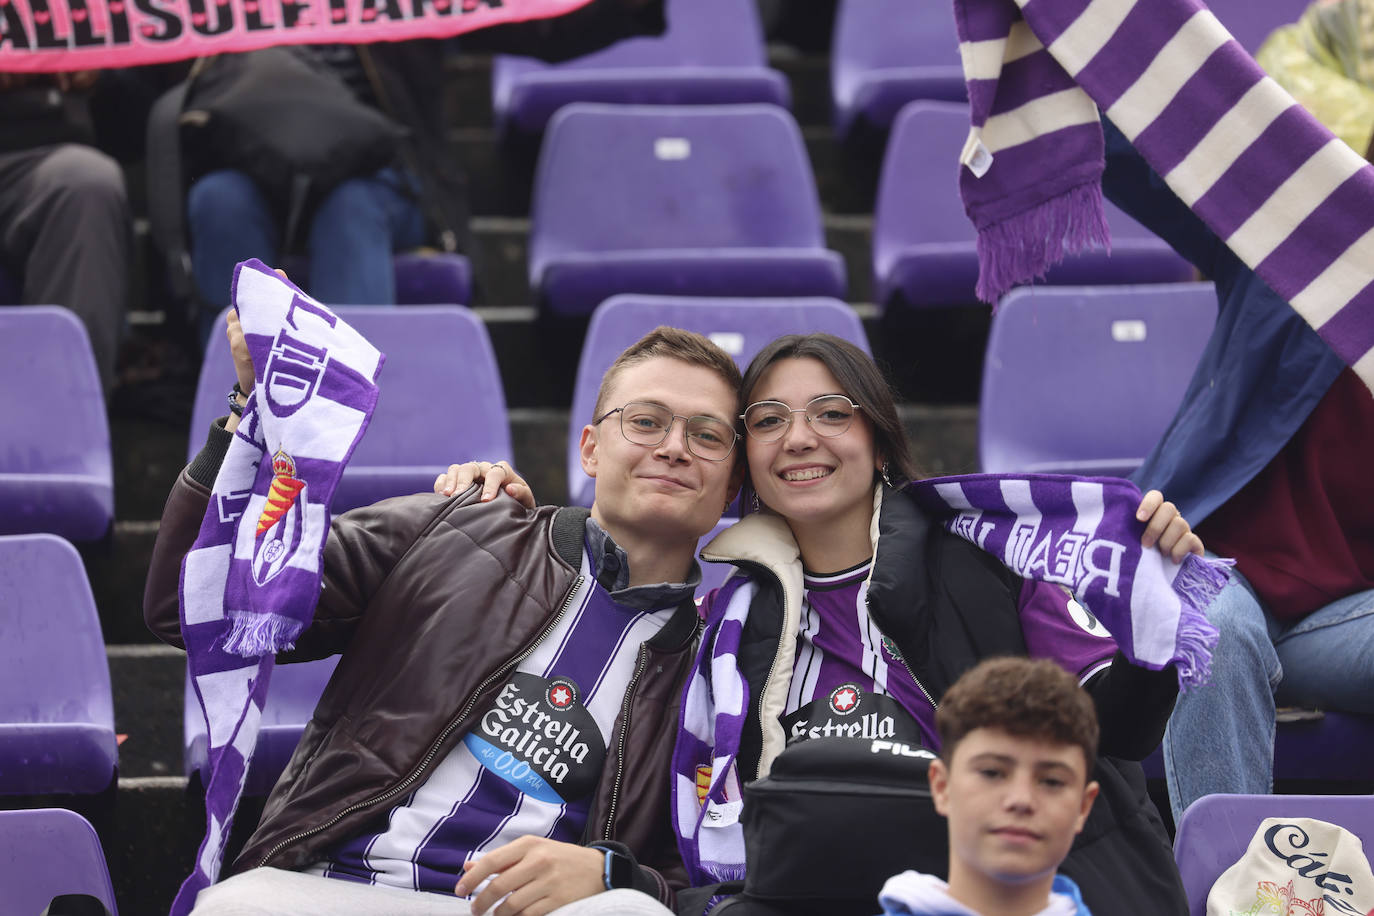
433,601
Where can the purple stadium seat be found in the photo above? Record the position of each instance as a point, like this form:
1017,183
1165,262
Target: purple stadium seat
698,201
56,711
741,327
291,697
47,853
924,247
1216,830
1251,21
1313,746
435,355
712,53
886,53
56,473
1084,380
432,278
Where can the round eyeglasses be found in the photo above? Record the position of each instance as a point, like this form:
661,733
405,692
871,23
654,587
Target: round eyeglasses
828,415
644,423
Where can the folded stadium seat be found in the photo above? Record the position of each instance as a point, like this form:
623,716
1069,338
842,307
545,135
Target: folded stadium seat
56,711
1250,22
47,853
698,201
886,53
1216,830
925,248
422,278
712,53
56,473
291,697
741,327
441,400
1084,380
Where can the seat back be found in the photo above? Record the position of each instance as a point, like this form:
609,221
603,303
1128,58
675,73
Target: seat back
702,34
632,178
885,53
920,227
292,694
1251,21
56,473
56,707
47,853
435,355
1084,380
1216,830
741,327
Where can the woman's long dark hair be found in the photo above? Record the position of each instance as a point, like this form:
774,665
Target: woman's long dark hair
860,380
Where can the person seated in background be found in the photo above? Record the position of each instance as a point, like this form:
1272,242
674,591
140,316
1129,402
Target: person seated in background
352,229
1017,742
1268,456
495,725
64,215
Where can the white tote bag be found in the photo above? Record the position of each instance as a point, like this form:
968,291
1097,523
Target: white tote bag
1296,866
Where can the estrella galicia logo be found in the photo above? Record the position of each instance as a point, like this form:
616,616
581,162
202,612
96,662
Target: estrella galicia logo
844,699
282,522
539,737
561,695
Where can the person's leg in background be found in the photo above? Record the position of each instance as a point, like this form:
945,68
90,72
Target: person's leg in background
1328,656
64,222
353,234
1221,735
229,221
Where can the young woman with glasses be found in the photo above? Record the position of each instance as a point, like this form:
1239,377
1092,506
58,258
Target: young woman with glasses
861,610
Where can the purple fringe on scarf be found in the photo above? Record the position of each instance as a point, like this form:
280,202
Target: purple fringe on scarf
1025,246
253,635
1198,583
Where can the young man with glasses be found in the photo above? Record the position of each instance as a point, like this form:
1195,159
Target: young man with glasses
495,727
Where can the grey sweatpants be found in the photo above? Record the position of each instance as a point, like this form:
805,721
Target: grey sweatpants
64,228
274,892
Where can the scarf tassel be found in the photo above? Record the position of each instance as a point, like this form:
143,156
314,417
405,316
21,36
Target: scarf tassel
1025,246
253,635
1198,583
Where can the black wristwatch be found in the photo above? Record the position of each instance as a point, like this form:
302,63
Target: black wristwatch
619,871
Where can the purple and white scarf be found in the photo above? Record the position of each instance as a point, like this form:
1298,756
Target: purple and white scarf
250,583
1292,201
1076,532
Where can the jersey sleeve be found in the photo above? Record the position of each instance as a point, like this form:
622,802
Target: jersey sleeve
1057,627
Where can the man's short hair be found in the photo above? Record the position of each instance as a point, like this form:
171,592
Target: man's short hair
1028,698
686,346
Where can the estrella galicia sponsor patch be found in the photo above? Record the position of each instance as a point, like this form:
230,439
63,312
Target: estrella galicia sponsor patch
848,712
541,739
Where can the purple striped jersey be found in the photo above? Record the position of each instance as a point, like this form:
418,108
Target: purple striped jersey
530,763
851,680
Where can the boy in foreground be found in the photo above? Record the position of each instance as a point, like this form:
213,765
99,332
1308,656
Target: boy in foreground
1017,738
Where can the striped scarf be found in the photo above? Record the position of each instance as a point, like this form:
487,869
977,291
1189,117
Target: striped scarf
1079,533
1292,201
250,582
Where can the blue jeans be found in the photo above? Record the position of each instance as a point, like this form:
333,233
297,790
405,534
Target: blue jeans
1221,735
352,234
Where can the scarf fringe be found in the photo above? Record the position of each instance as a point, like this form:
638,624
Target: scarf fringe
1198,583
253,635
1025,246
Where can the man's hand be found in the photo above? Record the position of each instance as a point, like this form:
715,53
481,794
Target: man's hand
494,477
243,362
1166,528
539,874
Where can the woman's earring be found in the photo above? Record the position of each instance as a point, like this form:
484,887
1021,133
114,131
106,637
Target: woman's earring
887,477
754,502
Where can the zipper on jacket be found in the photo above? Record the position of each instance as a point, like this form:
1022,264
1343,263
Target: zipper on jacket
438,742
926,693
624,735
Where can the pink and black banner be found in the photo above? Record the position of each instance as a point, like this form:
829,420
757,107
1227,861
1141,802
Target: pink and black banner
48,36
